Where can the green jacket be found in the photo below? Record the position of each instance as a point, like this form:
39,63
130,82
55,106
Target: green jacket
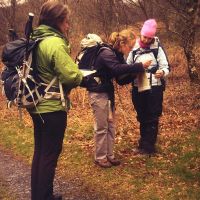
52,59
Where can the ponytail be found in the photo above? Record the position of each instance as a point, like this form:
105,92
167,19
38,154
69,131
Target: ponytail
114,40
122,37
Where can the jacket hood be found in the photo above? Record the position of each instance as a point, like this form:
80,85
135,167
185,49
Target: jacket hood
44,31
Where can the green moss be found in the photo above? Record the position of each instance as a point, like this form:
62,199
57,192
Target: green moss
172,174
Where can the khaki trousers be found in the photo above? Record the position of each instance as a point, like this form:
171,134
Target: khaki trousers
104,128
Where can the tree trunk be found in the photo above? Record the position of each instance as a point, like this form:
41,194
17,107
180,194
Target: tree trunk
13,21
188,45
189,42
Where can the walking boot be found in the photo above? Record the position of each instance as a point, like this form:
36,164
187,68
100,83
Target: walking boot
114,161
104,163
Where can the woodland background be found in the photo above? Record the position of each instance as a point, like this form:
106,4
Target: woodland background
179,21
174,173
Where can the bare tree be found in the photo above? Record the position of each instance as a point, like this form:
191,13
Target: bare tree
99,16
182,18
185,23
146,7
8,16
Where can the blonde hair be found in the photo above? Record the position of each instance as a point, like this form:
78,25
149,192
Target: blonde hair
123,37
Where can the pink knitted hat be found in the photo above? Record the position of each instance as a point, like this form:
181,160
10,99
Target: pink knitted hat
149,28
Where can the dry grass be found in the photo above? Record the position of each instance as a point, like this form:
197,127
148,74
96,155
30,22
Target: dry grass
173,174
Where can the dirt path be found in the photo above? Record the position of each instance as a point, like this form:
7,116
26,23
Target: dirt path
16,176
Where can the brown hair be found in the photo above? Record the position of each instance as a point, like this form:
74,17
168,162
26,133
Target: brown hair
122,37
52,13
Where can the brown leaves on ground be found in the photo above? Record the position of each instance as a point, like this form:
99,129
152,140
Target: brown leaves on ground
172,174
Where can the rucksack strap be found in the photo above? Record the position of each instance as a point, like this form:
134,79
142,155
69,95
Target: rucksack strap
98,52
136,53
50,85
62,94
154,69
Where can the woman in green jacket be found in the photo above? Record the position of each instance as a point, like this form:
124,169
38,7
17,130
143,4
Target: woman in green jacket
50,115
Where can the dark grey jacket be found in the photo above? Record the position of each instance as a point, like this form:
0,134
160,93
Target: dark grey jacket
111,64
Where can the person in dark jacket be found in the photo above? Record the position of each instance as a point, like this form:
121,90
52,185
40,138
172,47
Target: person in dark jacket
109,64
50,115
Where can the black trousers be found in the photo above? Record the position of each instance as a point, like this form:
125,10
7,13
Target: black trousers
48,138
148,105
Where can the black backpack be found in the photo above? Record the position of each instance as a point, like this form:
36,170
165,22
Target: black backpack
20,82
86,60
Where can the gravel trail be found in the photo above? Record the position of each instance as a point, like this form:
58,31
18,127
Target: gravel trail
16,175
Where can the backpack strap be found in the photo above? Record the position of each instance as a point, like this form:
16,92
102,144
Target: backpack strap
93,60
59,91
62,98
50,84
134,53
155,52
101,48
138,52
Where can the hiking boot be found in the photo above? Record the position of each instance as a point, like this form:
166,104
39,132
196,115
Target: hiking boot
114,161
139,151
104,163
57,197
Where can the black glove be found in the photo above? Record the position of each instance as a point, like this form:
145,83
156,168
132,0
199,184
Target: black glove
84,82
88,82
125,79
